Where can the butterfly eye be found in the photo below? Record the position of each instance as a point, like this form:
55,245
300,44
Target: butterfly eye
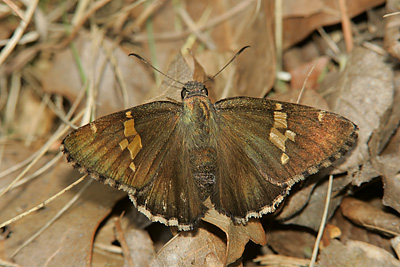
204,91
184,93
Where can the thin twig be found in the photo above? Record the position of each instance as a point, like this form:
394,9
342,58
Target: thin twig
59,213
38,172
152,44
6,51
44,203
4,263
332,45
16,9
191,38
109,248
28,37
150,8
12,99
63,118
60,131
112,59
323,222
346,26
95,6
278,33
122,240
194,28
391,14
241,7
306,80
18,165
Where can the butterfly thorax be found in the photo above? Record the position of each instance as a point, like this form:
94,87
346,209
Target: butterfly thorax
200,130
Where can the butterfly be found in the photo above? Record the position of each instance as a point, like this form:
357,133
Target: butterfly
242,153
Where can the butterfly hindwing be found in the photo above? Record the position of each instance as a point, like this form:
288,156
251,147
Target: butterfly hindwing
266,146
172,197
139,150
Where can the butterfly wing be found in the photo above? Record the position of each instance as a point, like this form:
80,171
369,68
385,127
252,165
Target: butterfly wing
139,151
265,146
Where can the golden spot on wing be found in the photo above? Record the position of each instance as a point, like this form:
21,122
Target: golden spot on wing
280,119
278,139
129,128
278,106
290,135
93,127
135,146
123,144
284,158
128,114
132,166
321,115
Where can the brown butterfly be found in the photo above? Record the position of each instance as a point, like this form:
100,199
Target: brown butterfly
243,153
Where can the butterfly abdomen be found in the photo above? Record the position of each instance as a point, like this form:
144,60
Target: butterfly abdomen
203,164
200,129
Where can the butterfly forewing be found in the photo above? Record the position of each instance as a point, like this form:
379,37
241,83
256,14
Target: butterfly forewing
140,151
278,144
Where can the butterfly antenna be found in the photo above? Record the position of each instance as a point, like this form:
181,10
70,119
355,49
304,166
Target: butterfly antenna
230,61
154,68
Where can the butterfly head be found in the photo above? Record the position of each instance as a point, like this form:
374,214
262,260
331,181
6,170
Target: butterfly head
193,88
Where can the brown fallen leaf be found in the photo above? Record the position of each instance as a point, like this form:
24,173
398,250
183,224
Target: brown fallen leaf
141,247
392,32
300,73
370,217
356,254
73,230
111,71
387,163
300,18
366,74
194,248
280,260
237,235
305,207
330,232
290,240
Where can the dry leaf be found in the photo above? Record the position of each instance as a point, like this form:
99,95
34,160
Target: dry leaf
300,18
370,217
289,240
330,232
193,248
392,33
63,75
73,230
179,70
356,254
366,98
351,231
237,234
309,72
140,246
310,214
